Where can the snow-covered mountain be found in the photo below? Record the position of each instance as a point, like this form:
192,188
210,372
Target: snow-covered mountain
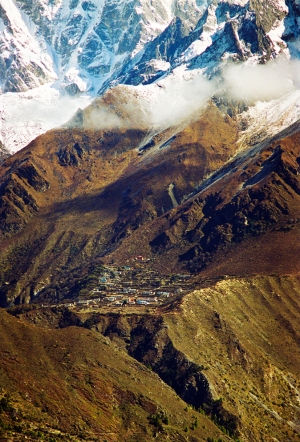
80,47
73,47
80,42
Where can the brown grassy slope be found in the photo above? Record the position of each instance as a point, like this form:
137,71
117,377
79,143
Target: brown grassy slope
77,382
72,194
245,221
243,332
246,332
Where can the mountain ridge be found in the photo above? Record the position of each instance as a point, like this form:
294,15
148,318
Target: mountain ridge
111,188
221,349
207,37
149,260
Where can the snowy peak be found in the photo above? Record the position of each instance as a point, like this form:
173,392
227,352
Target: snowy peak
24,62
84,47
90,45
86,40
226,31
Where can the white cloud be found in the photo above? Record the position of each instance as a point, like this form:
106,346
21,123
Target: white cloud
182,96
180,99
263,82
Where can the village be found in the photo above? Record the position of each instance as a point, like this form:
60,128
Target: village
133,285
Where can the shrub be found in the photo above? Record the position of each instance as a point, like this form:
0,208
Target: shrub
5,404
159,418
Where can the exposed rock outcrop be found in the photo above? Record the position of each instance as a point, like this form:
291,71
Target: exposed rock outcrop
17,196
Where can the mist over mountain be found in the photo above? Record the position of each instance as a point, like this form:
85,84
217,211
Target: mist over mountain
79,49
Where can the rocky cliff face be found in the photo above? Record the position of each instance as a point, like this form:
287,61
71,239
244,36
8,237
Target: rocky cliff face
80,41
81,49
226,31
88,45
24,62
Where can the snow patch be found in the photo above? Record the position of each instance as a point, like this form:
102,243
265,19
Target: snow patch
276,36
159,65
73,76
267,119
24,116
238,2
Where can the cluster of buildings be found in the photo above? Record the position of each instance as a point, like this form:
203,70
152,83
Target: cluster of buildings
137,285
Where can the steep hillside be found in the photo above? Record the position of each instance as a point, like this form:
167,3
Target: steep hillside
74,385
190,199
72,195
252,203
230,350
245,332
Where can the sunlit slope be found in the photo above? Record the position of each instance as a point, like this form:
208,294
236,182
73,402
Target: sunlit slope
74,384
72,195
231,349
246,333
